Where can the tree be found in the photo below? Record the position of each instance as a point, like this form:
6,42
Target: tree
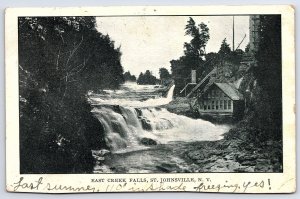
165,77
195,49
228,61
146,79
129,77
200,36
164,74
194,52
268,73
262,85
224,49
60,60
179,75
247,48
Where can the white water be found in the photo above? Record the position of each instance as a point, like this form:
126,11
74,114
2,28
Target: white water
238,82
127,120
130,96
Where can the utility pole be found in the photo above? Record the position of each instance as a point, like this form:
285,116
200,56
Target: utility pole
232,33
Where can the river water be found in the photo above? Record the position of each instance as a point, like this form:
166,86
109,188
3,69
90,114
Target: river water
143,138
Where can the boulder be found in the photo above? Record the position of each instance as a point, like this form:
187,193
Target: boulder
245,157
248,163
146,124
148,142
168,168
244,169
215,152
196,155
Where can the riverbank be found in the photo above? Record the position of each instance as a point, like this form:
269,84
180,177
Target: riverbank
180,106
194,157
234,153
231,155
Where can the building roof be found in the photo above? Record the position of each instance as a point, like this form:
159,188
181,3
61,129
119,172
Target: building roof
230,90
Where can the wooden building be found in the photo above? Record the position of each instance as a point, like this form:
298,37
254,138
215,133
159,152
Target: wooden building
221,99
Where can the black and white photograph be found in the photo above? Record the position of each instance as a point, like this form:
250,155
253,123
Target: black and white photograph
151,99
150,94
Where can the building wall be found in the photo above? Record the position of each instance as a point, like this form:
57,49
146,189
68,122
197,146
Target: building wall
215,100
238,109
254,23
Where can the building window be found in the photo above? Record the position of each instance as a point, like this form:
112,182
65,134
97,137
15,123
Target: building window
208,107
217,105
212,104
225,104
204,107
229,104
221,104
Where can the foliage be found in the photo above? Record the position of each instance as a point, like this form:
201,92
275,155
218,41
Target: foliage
194,52
164,74
247,48
225,60
224,49
146,78
165,77
200,37
262,85
268,74
195,49
129,77
60,60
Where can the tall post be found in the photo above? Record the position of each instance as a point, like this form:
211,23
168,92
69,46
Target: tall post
232,33
193,75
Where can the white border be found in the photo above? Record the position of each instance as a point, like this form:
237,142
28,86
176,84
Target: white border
284,182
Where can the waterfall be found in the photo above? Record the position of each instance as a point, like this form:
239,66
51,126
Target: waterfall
159,101
125,127
126,99
170,93
128,121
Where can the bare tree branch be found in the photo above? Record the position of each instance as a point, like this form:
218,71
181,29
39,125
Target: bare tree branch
73,52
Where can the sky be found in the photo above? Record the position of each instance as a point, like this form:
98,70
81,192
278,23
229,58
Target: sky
151,42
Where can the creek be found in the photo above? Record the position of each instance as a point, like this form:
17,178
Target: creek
141,136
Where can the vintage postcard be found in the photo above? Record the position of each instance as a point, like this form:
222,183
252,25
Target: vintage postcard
142,99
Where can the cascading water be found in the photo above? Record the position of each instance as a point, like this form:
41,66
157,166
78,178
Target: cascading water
141,136
127,122
133,96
